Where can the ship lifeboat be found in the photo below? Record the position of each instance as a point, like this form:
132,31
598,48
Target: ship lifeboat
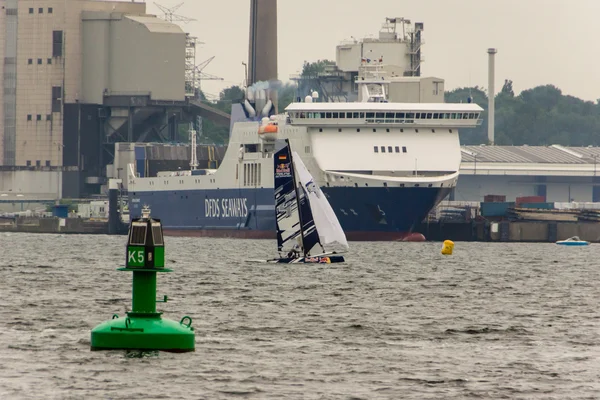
268,131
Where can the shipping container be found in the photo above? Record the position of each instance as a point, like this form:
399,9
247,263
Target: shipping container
60,211
541,206
495,209
494,198
530,199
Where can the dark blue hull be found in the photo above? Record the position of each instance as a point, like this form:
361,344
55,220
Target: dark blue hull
365,213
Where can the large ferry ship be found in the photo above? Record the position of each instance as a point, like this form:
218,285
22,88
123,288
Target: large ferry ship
382,165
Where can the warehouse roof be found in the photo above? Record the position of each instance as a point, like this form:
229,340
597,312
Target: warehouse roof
554,154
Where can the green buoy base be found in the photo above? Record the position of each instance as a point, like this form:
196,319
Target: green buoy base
144,333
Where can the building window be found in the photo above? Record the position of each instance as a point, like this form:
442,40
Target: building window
29,163
28,117
397,149
376,149
50,10
30,61
31,11
57,43
48,117
38,163
49,61
39,61
389,149
47,163
39,117
40,10
56,98
404,149
383,149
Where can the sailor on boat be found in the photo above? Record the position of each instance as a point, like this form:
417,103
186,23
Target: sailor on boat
294,252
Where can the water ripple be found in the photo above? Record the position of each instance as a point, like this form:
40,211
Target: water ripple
399,320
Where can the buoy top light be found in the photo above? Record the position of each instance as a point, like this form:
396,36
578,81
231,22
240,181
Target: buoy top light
145,244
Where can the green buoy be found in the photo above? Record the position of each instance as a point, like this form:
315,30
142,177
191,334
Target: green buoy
144,328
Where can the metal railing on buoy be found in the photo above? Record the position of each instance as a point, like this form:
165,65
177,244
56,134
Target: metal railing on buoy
447,247
143,328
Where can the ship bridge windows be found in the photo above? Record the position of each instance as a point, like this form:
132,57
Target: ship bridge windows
387,117
251,148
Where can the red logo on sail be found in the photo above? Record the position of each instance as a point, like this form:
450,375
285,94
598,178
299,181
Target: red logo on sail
283,170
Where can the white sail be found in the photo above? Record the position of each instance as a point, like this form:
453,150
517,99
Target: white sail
327,224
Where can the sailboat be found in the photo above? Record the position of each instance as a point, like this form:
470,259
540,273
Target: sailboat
305,220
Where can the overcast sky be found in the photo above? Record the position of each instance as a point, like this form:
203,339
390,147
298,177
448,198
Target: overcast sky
538,41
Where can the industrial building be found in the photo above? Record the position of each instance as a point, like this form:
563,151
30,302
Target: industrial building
556,173
79,76
395,53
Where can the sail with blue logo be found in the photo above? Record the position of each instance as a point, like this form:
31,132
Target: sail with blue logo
295,223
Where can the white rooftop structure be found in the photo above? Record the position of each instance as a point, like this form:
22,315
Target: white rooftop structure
554,160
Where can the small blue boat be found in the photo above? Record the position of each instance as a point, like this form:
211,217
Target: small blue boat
573,241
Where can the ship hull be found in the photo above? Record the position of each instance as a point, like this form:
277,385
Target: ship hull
365,214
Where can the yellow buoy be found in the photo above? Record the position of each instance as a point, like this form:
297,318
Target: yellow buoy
447,247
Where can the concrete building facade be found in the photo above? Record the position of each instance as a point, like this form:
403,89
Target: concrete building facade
44,56
71,71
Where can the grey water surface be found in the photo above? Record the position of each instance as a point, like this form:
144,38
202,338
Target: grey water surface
397,321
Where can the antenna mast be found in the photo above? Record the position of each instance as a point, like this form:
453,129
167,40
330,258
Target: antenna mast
170,15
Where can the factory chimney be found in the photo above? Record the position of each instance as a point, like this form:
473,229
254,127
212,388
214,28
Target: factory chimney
262,57
491,93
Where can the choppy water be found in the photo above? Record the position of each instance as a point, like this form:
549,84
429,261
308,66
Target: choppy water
398,321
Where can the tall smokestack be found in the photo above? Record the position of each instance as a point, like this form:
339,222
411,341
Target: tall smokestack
262,57
491,94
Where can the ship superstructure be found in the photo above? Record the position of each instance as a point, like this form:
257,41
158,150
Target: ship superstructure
383,166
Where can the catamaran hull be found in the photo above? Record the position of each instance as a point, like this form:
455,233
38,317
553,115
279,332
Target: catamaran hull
365,214
321,259
325,258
